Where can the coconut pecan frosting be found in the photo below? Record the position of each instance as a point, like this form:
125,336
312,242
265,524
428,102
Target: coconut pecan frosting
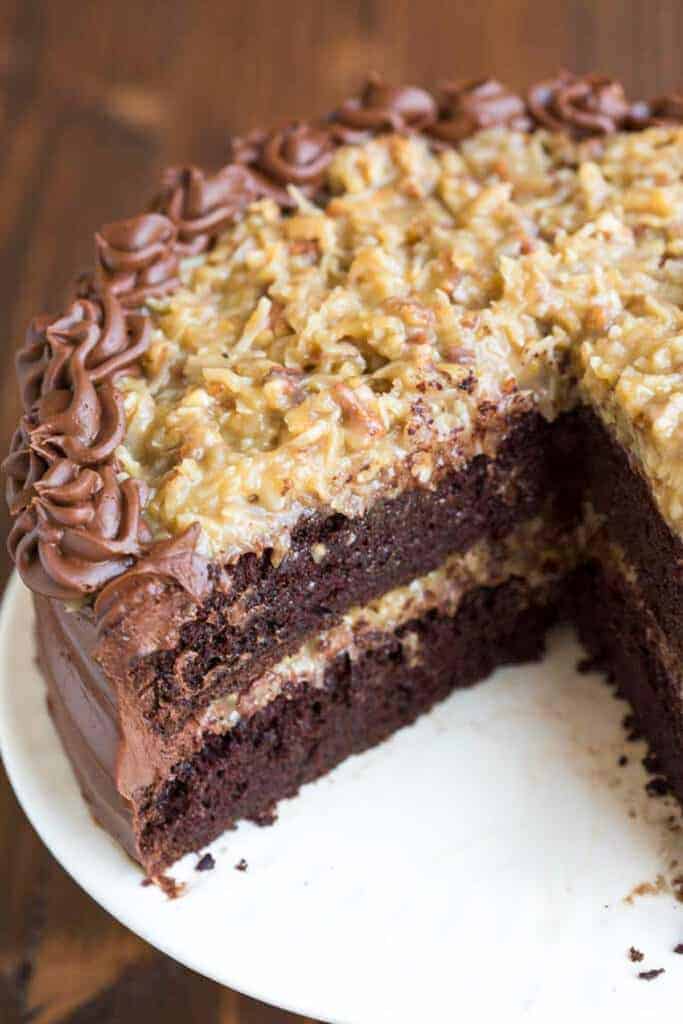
78,522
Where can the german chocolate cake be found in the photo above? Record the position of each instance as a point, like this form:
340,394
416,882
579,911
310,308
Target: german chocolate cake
344,426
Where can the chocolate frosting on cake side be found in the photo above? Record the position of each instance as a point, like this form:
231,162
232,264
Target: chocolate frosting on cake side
77,525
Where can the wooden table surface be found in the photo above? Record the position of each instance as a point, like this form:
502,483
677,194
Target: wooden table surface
96,96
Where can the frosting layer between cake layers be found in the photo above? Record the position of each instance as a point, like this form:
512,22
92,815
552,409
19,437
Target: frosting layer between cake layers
125,775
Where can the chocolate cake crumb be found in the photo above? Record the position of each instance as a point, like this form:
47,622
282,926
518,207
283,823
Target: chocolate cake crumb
648,889
207,863
651,975
658,787
622,760
585,665
635,956
169,886
679,948
266,817
241,865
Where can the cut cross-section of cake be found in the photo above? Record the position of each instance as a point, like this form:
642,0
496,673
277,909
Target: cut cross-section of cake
344,426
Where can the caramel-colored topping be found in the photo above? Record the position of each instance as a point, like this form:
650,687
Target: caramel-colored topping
320,360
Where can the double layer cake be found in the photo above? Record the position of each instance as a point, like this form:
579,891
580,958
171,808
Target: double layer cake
346,425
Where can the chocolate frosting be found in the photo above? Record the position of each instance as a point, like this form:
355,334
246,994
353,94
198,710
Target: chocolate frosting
383,108
137,259
580,104
467,107
23,468
660,112
297,154
65,372
200,205
78,525
80,529
175,560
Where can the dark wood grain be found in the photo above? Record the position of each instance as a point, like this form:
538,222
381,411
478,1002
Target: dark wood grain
95,97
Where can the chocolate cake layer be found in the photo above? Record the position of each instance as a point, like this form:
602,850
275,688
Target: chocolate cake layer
619,491
625,641
257,613
300,736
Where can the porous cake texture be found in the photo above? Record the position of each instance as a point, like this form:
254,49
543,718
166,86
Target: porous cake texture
346,425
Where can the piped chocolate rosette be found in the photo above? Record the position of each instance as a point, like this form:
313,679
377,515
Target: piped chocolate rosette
382,108
77,525
469,107
297,154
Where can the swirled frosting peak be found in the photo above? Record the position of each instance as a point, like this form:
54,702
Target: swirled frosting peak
580,104
77,525
80,528
202,205
137,258
384,108
65,371
297,154
467,107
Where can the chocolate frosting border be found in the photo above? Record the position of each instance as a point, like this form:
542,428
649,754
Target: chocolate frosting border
78,524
